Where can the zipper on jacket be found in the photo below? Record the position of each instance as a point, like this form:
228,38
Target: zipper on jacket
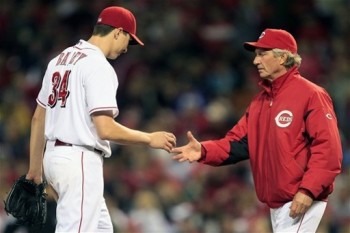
271,95
268,145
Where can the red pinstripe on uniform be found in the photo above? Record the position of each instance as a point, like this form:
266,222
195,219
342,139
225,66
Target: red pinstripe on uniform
301,222
82,191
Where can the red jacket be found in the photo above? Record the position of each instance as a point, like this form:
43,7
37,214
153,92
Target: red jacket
289,132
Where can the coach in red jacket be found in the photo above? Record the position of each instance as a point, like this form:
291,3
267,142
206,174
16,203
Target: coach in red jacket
289,133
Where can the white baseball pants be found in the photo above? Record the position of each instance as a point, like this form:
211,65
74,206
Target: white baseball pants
76,174
307,223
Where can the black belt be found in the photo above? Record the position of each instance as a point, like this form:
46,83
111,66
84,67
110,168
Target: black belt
60,143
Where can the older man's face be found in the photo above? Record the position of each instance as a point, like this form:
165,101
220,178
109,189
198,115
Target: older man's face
269,66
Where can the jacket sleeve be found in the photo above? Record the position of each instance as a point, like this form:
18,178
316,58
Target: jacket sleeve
228,150
325,148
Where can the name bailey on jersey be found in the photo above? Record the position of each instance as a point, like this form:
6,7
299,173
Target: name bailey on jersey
73,58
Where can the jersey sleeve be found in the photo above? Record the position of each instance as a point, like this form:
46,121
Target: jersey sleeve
42,97
101,89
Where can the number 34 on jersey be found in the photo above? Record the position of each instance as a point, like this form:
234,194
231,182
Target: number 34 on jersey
60,89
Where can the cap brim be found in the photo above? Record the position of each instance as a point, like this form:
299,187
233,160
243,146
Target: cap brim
135,40
251,46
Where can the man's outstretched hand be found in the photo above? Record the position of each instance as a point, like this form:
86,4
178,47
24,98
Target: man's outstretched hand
190,152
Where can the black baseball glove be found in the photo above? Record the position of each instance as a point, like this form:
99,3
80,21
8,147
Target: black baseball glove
27,202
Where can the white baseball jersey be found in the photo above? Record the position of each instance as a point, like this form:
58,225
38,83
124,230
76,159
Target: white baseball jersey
78,82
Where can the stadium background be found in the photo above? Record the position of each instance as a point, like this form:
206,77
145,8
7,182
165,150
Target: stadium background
193,75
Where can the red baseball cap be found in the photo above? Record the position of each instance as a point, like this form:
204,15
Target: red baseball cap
273,39
120,17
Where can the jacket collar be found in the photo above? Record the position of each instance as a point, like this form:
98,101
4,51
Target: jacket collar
273,87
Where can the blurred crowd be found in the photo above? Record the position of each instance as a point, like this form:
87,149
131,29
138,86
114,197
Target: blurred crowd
192,74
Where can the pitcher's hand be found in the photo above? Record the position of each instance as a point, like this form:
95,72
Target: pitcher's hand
162,140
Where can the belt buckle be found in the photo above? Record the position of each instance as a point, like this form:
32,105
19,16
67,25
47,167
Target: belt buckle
61,143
